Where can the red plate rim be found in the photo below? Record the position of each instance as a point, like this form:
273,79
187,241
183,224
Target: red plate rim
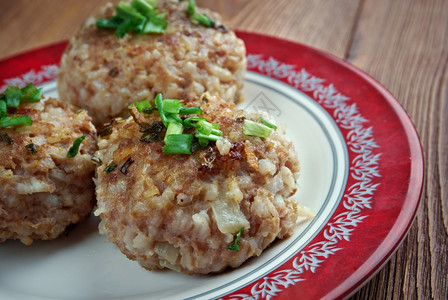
372,100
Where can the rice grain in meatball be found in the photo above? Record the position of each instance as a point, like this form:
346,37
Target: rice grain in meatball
103,74
42,191
183,211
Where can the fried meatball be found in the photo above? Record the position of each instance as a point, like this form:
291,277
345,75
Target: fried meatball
183,211
44,191
103,74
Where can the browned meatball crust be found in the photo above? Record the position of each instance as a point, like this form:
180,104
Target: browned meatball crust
183,211
42,193
103,74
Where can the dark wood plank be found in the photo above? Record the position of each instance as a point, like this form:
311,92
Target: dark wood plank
404,45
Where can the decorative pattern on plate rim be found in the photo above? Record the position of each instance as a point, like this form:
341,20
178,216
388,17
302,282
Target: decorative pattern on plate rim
46,73
363,169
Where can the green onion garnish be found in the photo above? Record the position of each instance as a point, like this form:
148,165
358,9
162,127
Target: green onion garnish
151,133
32,148
13,95
142,6
205,20
125,166
153,3
110,168
15,121
235,245
96,160
210,137
11,98
172,105
202,19
143,105
267,123
73,150
3,109
175,141
111,23
159,104
177,144
193,122
205,127
174,128
256,129
4,137
191,8
170,118
31,93
140,16
190,111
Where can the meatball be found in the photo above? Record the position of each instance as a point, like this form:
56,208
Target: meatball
104,74
183,211
42,191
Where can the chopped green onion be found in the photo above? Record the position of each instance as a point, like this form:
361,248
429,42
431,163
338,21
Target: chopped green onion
172,105
111,23
256,129
3,109
174,128
170,118
178,144
159,104
205,20
142,6
175,141
192,122
235,245
106,130
210,137
149,110
126,165
155,24
267,123
153,3
96,160
190,111
140,105
4,137
124,28
151,133
140,16
31,93
127,12
32,148
11,98
15,121
110,168
216,131
13,95
205,127
202,19
191,9
73,150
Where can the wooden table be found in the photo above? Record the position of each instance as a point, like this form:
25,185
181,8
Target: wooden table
401,43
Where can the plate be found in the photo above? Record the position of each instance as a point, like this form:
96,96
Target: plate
361,173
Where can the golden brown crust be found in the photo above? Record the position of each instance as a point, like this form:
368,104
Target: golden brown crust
167,201
104,74
42,193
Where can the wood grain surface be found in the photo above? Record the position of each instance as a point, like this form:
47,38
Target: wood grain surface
401,43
